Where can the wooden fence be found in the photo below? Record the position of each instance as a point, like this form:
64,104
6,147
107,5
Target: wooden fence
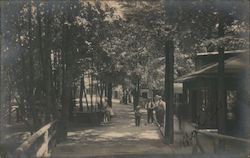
39,143
213,139
7,115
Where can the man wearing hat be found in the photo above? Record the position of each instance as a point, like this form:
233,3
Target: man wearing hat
160,109
150,108
137,116
156,107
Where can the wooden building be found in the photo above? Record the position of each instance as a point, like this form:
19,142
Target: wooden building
200,89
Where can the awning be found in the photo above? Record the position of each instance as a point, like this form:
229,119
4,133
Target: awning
233,65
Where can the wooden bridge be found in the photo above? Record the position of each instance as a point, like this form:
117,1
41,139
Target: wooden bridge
39,144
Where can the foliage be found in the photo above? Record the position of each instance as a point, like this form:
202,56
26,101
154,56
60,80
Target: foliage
48,46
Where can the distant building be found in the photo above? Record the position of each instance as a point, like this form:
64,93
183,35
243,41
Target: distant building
117,92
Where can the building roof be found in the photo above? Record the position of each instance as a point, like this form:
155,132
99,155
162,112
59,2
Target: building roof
233,65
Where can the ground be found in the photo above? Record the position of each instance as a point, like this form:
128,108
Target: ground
119,137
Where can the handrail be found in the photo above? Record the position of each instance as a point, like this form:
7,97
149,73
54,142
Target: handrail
213,133
24,148
222,136
8,113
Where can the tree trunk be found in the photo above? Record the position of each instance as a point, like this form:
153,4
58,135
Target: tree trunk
24,94
66,101
1,85
126,97
74,95
67,61
48,67
134,98
81,93
9,94
30,100
137,93
105,90
9,104
71,105
92,92
98,87
169,91
110,94
101,92
85,94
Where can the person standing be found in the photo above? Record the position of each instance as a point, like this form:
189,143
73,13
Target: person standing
161,111
108,114
137,116
157,109
179,114
104,111
150,108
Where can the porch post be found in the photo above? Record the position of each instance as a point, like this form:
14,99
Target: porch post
221,105
169,91
221,86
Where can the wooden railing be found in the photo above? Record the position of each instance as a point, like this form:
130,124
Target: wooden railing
214,137
39,143
8,113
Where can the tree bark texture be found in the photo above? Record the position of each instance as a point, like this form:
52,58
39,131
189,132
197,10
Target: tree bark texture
81,93
110,94
67,75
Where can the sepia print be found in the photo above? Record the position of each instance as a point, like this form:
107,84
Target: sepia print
124,79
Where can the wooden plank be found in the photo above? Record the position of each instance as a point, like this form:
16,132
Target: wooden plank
221,136
9,112
25,145
43,150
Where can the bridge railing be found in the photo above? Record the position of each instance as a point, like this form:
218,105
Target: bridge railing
211,141
39,143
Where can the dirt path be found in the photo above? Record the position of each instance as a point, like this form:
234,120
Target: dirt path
120,137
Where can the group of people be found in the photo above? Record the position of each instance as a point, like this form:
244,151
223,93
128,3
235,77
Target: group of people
156,105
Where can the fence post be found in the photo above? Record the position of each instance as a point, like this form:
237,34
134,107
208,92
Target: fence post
46,141
194,138
215,145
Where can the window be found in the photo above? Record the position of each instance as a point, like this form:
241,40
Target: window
187,96
231,104
204,93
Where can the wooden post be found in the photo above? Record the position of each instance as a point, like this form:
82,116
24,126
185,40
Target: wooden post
221,105
44,148
169,91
